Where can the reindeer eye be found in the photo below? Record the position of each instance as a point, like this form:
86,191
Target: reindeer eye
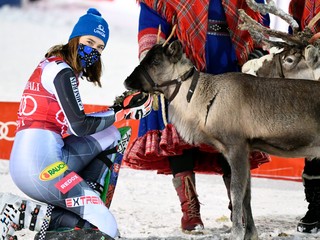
155,61
289,60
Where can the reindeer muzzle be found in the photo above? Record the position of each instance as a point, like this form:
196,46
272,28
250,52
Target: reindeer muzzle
139,79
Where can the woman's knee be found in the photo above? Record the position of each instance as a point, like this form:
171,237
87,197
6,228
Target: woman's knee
107,137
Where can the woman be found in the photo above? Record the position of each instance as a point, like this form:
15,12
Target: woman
208,31
69,172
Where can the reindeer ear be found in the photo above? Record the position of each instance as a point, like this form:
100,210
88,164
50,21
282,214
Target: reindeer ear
174,51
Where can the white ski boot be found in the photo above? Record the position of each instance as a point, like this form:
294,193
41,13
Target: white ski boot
17,213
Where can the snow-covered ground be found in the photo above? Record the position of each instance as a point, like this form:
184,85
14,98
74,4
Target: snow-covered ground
145,203
146,207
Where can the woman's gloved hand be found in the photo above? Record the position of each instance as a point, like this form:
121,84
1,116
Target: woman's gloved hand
135,106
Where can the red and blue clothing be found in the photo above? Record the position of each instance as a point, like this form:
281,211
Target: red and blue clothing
211,39
303,11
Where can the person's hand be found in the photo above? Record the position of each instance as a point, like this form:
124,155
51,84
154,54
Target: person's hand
135,106
314,38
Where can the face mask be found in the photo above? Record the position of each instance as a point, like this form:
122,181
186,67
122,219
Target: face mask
87,55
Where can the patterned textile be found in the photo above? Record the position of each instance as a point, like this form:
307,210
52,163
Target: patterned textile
242,40
193,22
151,151
303,11
191,27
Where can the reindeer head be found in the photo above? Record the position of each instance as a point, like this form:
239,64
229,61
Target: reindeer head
160,65
288,63
300,57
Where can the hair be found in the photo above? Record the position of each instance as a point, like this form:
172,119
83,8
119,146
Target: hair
69,53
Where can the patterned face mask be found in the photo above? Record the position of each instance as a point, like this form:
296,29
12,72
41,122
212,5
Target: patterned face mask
87,55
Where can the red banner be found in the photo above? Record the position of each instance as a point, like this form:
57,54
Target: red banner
278,168
8,116
281,168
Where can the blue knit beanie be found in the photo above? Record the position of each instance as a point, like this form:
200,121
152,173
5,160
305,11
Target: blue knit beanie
91,24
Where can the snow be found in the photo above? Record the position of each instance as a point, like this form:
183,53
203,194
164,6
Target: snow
145,204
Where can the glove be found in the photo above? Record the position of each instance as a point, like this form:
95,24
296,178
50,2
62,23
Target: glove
135,106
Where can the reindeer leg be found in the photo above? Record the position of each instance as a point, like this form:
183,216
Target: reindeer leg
237,157
251,231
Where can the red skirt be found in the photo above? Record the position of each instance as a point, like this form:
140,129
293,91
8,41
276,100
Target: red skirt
151,152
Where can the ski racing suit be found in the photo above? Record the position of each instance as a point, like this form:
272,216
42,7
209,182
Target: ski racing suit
54,155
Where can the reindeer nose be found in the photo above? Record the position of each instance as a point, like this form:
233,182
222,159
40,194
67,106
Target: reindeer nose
128,82
134,80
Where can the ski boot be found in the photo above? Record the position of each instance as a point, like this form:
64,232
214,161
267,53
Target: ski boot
18,213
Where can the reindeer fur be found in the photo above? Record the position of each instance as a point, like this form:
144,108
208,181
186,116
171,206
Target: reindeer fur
236,113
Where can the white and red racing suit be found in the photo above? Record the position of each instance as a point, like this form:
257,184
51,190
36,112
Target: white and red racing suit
55,169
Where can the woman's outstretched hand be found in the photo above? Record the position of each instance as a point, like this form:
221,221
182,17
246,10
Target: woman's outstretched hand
135,106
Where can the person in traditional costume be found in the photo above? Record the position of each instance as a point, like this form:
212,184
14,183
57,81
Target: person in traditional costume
303,11
208,31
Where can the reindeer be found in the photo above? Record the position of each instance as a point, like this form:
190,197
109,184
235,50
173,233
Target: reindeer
236,113
298,55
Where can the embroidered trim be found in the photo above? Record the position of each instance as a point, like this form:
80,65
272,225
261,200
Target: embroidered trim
218,28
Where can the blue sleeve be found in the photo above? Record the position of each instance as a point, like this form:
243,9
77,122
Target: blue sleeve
149,18
66,92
